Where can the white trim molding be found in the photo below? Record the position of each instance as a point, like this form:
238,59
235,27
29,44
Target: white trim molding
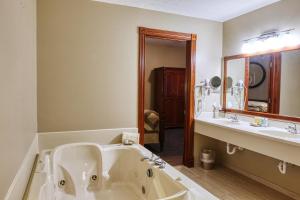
18,186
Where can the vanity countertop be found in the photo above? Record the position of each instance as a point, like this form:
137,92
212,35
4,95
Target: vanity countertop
272,133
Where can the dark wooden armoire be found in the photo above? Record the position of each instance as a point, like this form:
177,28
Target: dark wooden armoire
170,96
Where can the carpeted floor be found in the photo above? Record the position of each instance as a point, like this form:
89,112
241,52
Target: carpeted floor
173,148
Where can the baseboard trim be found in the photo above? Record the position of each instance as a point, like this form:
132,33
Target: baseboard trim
19,184
197,163
265,182
29,183
189,163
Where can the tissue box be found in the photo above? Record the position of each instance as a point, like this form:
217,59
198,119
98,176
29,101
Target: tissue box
135,137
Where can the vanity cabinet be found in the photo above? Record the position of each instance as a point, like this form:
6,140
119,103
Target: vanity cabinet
255,139
169,96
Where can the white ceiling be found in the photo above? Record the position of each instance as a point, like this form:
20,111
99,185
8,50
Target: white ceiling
218,10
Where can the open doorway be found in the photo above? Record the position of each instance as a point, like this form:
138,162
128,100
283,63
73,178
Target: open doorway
170,107
165,66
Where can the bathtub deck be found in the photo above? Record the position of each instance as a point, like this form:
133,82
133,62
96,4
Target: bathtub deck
228,185
118,191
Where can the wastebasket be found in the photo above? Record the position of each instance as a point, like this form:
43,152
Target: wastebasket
208,157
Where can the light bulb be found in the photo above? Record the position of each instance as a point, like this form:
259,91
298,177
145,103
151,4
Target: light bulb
248,48
273,43
258,46
289,40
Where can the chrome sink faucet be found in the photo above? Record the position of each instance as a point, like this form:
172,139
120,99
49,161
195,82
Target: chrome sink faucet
160,163
215,110
292,128
234,118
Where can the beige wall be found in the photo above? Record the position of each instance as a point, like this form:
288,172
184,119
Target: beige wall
88,61
282,15
17,85
160,55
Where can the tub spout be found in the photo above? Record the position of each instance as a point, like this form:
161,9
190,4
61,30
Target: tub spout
148,158
160,163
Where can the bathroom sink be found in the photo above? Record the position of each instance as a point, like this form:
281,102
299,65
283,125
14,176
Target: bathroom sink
227,121
280,133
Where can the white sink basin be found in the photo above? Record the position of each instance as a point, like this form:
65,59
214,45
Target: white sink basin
227,121
280,133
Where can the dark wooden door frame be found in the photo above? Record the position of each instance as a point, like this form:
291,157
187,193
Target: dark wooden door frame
190,39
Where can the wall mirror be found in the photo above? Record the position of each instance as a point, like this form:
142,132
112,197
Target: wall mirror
234,82
263,84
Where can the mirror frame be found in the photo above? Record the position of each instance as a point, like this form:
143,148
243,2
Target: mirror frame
276,88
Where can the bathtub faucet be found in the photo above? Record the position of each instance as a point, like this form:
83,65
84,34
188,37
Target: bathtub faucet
160,163
148,158
156,160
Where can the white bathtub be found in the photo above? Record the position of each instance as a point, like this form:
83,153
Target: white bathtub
87,171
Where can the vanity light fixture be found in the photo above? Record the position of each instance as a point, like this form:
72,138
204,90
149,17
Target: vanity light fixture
272,40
